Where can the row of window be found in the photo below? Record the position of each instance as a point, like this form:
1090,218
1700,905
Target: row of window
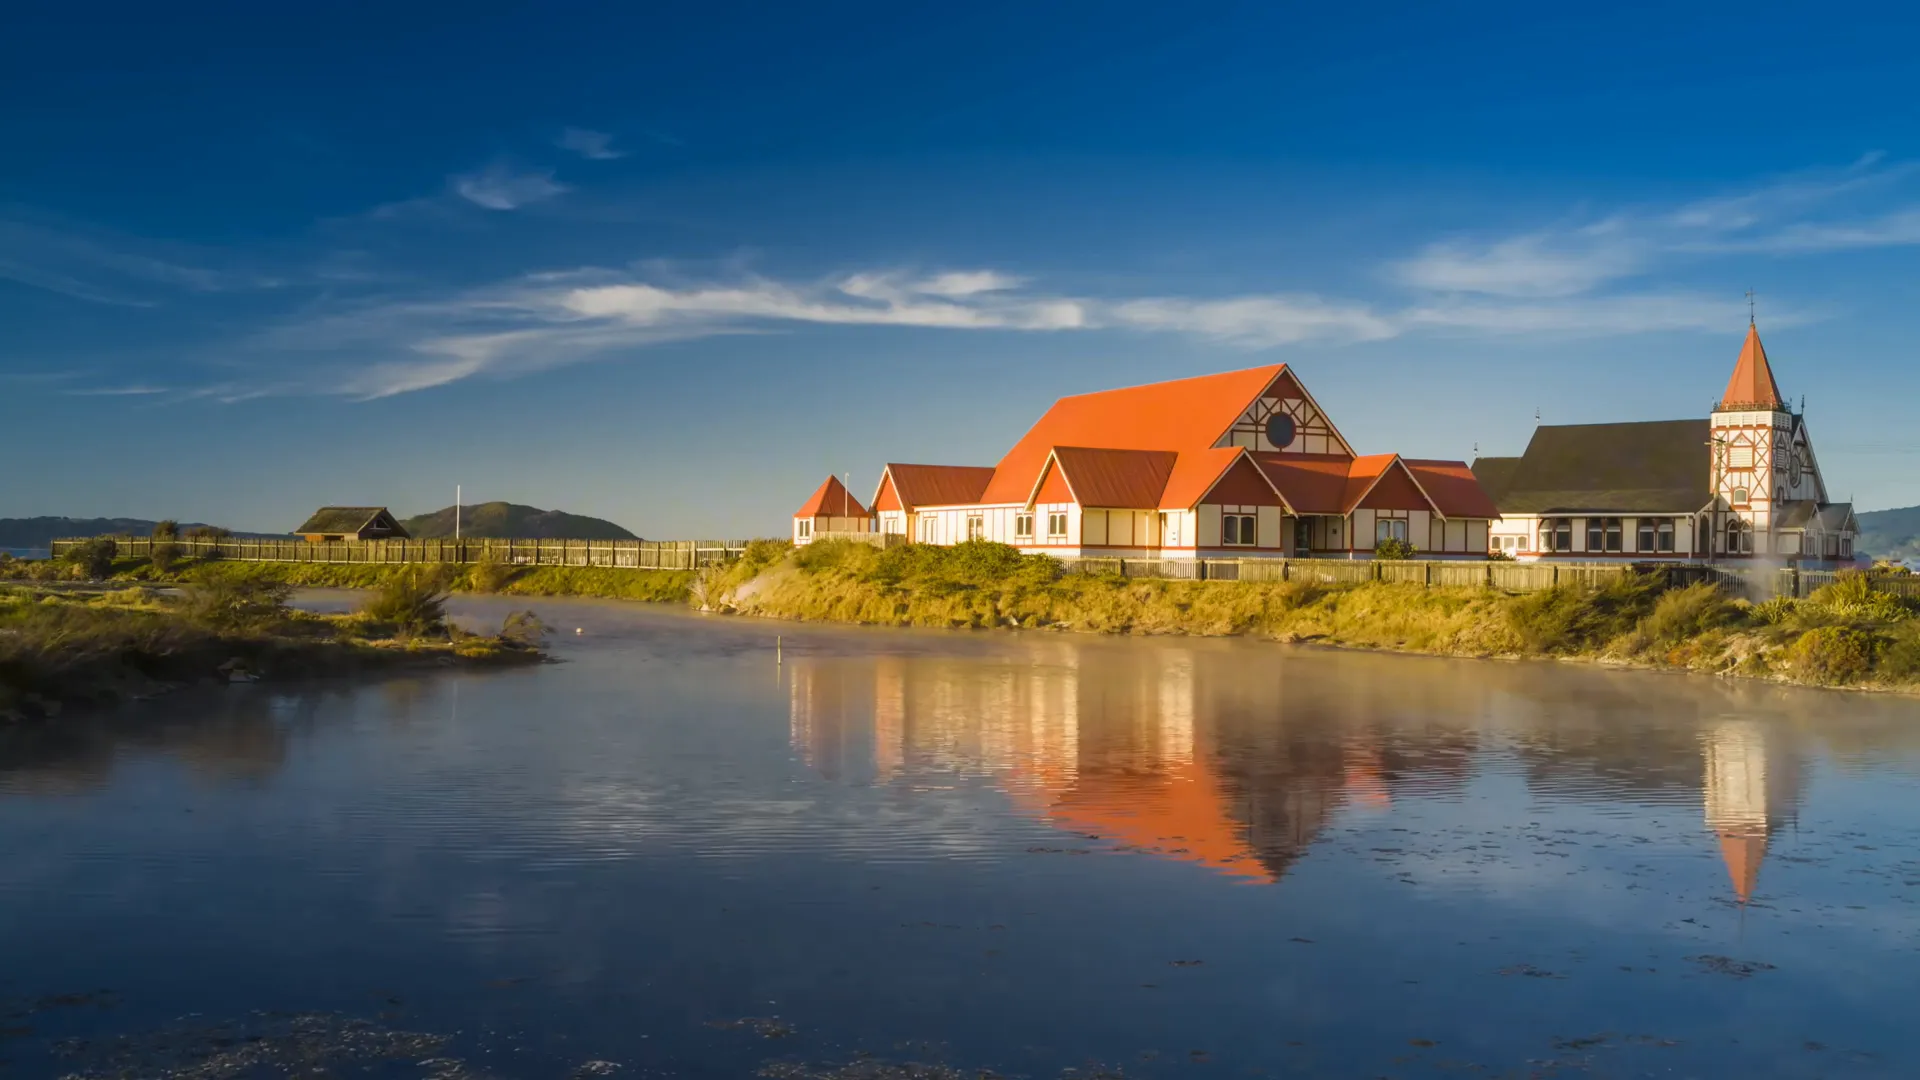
1607,534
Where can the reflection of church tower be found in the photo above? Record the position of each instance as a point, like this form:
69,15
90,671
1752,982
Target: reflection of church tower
1749,795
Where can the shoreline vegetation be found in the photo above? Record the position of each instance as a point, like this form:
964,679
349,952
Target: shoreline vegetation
1844,635
62,647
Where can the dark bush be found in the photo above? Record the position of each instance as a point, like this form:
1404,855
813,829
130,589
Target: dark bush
94,558
490,574
236,604
524,628
413,601
1393,548
1833,654
1566,619
1680,615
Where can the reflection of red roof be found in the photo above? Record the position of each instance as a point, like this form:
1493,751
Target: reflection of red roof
1752,385
914,486
832,499
1181,813
1123,479
1182,415
1743,854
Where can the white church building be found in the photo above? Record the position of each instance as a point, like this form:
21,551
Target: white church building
1741,485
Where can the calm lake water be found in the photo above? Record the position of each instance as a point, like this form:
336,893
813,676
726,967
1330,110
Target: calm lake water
1025,853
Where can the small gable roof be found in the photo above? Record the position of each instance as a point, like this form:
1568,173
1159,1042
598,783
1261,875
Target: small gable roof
832,499
1118,479
1182,415
1452,487
346,519
937,485
1656,466
1752,385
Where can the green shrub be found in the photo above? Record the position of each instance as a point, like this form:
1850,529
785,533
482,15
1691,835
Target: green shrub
1832,654
1680,615
1393,548
1852,596
1899,659
1774,612
236,604
524,628
1566,619
413,601
168,529
94,558
490,574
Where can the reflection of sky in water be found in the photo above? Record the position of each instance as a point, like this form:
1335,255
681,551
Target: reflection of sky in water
1001,844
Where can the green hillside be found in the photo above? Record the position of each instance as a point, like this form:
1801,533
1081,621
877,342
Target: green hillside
1891,534
38,532
500,520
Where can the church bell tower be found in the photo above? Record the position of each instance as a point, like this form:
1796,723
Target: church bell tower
1759,457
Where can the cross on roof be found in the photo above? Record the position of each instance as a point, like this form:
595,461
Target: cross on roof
1750,307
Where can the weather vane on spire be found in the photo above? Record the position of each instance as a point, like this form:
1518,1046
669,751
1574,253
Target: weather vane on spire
1749,307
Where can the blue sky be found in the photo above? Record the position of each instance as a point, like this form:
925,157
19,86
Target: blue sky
672,266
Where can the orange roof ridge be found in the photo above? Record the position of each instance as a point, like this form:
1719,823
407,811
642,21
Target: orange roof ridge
1752,385
832,499
1181,415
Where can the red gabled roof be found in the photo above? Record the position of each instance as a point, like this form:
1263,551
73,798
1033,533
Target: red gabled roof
1752,385
1182,415
1196,473
938,485
1329,484
1455,491
1310,483
1116,479
832,499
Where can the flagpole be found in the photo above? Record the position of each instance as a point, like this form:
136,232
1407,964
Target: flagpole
456,512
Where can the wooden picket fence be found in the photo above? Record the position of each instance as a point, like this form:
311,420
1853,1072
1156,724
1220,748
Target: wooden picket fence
621,554
1508,576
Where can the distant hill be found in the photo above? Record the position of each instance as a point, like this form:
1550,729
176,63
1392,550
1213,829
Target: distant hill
1891,534
40,532
499,520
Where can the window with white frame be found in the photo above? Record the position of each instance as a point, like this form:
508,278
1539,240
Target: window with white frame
1664,537
1057,526
806,528
1390,529
1237,530
1023,526
929,528
976,527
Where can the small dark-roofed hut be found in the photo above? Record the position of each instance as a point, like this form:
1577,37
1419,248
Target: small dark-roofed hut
337,523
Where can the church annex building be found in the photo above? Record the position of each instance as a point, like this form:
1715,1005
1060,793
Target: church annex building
1739,485
1240,464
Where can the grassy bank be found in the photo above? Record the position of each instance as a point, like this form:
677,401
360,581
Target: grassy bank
1844,635
60,648
656,586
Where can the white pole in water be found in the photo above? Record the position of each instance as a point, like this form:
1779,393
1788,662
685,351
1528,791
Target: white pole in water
778,658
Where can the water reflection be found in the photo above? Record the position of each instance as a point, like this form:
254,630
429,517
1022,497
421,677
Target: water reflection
1178,753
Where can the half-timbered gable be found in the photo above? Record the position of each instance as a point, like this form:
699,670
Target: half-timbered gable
1285,419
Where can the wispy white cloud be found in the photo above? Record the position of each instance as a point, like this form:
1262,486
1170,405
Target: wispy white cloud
592,145
544,321
503,187
135,390
102,268
1808,213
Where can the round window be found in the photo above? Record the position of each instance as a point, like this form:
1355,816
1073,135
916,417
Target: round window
1280,430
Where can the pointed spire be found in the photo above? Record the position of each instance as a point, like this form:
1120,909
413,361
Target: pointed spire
1752,386
1743,853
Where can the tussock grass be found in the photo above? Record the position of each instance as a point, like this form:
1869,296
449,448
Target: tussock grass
68,647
